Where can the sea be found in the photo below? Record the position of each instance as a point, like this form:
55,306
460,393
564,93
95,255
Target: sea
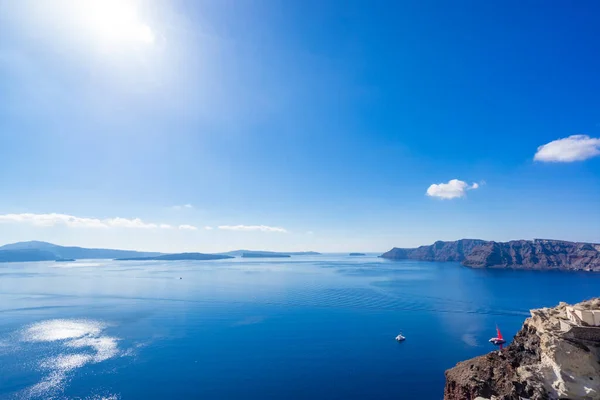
306,327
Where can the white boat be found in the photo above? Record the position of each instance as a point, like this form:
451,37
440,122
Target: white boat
498,340
400,338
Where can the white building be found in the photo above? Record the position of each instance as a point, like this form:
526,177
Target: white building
583,317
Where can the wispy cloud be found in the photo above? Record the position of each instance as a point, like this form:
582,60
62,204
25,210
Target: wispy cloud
129,223
188,228
208,228
183,207
246,228
453,189
54,219
572,148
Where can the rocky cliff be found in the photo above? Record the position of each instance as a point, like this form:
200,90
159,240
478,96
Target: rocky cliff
439,251
544,361
518,254
537,254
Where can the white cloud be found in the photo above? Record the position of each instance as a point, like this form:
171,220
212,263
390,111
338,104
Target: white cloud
54,219
573,148
129,223
183,207
262,228
208,228
453,189
188,228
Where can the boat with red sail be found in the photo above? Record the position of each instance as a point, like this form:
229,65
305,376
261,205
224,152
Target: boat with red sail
498,340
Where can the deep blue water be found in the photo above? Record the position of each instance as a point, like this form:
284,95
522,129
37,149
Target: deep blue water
318,327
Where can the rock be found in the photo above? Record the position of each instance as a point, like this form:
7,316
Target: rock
542,362
518,254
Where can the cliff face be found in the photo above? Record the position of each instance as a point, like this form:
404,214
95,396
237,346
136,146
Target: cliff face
542,362
518,254
537,254
439,251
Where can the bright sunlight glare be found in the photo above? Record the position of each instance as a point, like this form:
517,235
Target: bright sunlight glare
116,21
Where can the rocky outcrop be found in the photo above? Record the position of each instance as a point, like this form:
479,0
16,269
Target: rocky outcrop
543,362
518,254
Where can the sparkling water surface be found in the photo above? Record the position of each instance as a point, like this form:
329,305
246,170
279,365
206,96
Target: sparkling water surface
318,327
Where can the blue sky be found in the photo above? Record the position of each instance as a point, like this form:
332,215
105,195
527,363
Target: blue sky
298,125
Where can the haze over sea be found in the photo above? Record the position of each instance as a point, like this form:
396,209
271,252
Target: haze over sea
319,327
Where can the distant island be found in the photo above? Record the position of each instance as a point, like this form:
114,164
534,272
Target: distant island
357,254
240,253
538,254
25,255
44,251
178,257
256,254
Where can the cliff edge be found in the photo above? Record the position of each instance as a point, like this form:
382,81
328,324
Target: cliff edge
541,254
555,355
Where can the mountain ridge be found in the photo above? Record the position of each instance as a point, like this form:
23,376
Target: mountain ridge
30,251
539,254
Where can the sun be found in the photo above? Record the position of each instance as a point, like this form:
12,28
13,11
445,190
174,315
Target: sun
115,21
